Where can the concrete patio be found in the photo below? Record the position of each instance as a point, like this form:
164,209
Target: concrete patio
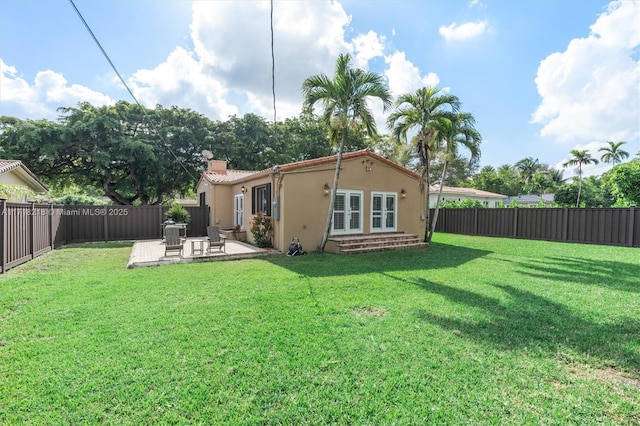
152,252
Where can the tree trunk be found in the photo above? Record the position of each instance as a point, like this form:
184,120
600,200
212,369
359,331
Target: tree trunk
435,214
332,198
579,186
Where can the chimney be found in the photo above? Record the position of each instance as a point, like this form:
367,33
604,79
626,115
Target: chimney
219,166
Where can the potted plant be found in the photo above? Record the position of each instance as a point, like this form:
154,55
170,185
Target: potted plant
177,214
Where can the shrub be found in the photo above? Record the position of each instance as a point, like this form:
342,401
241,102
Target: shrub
177,213
261,228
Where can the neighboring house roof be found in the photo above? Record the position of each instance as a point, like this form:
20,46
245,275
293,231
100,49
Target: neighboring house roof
531,199
469,192
16,166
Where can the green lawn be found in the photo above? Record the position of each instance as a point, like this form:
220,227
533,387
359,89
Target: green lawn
471,331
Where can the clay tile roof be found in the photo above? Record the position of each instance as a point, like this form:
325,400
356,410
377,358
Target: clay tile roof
227,176
345,156
8,165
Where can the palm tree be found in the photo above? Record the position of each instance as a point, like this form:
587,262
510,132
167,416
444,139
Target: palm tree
422,111
528,168
580,158
613,153
456,131
345,106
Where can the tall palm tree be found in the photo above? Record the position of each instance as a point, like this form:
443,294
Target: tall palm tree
528,168
579,158
455,132
613,153
344,99
422,111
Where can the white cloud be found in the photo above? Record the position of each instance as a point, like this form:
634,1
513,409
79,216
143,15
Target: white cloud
366,47
181,81
49,91
592,89
463,32
404,76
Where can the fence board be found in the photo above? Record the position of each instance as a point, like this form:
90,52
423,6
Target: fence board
29,230
608,226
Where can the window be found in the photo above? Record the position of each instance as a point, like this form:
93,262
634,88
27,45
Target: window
261,199
238,211
203,199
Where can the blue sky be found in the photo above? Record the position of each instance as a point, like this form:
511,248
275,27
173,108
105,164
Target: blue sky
541,77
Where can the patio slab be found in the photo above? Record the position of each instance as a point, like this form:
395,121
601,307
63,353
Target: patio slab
151,253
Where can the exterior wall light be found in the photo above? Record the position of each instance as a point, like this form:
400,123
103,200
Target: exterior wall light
243,189
326,188
403,193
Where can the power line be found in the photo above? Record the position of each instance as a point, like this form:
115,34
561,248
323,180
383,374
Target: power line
124,83
273,68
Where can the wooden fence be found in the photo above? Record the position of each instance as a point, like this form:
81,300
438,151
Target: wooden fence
29,230
607,226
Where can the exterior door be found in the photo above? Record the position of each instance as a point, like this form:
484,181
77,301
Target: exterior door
384,217
347,213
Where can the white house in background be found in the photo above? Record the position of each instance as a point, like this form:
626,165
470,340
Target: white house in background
14,173
489,199
531,200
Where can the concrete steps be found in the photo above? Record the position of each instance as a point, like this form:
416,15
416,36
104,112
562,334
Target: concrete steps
353,244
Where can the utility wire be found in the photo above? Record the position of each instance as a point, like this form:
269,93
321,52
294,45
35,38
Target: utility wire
124,83
273,68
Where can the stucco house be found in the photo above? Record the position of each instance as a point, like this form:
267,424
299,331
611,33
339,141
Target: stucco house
14,173
375,198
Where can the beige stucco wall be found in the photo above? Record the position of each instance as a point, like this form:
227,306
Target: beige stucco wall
304,206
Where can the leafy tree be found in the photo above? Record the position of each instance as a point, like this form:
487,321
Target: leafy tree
593,193
43,146
422,111
528,168
344,99
305,137
505,180
613,153
460,171
623,181
455,132
579,158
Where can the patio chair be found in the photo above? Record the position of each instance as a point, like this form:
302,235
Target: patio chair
214,238
173,241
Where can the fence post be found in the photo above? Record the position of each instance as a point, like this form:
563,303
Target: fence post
3,234
632,220
565,224
515,222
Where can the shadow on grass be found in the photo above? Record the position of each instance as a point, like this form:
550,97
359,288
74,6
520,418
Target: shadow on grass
436,256
606,273
526,320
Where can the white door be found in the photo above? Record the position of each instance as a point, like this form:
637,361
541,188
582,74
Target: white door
384,216
238,210
347,212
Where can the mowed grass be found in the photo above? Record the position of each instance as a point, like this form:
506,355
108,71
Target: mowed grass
470,331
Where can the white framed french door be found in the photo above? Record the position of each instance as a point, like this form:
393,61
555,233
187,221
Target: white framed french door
347,212
238,210
384,215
